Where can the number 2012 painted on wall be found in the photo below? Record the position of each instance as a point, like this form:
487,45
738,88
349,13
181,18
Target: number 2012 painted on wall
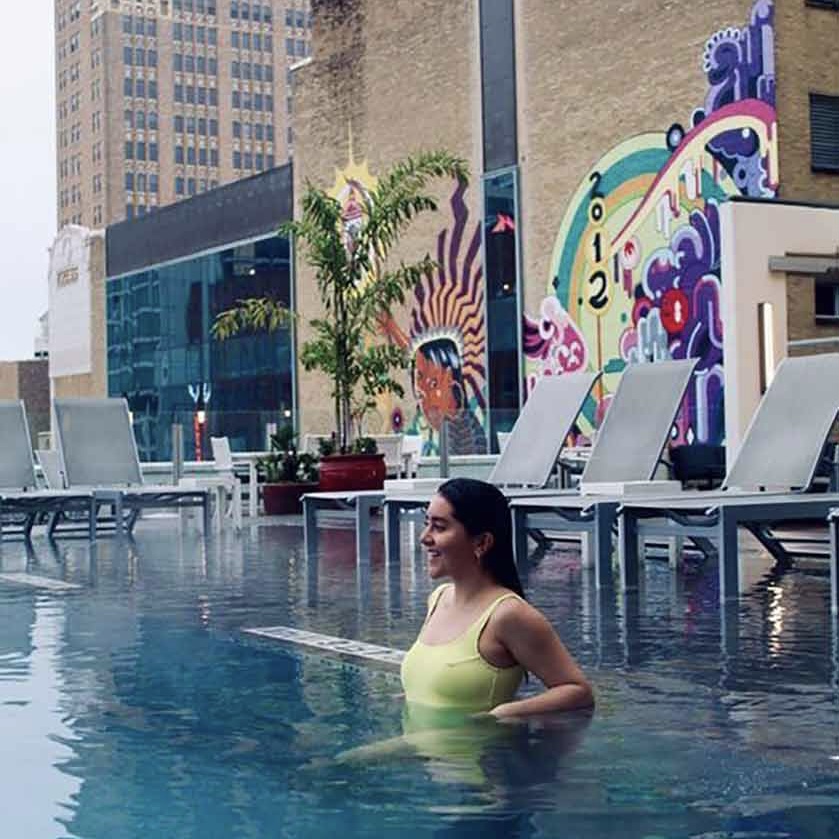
596,296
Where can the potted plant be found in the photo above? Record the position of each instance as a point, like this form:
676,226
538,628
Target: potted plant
358,288
287,474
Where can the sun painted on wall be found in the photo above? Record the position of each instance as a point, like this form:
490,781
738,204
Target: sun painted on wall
635,272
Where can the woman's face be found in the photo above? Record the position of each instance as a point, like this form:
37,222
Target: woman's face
435,388
448,547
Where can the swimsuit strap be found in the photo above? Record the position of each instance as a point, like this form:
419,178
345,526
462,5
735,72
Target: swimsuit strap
480,624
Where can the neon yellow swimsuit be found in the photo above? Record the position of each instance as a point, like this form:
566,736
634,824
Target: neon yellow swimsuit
455,675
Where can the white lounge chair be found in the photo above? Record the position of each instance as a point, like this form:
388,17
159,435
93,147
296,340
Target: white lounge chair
99,454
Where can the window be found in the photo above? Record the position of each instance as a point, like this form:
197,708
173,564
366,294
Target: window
178,62
152,89
179,186
269,103
213,157
234,8
129,150
202,157
257,41
234,40
244,10
299,19
237,99
201,34
257,72
234,70
140,120
190,155
246,40
153,186
127,55
140,57
141,182
266,14
151,58
301,47
270,161
237,160
248,160
190,125
824,133
179,154
827,301
126,24
260,161
202,95
129,181
214,128
129,119
179,93
200,64
212,36
152,121
153,151
202,126
213,97
151,27
139,26
190,94
289,17
212,66
140,87
257,101
257,131
189,64
177,31
129,211
189,32
237,130
289,46
179,124
190,186
140,151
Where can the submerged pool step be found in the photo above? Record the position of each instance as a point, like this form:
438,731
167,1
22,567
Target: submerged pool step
329,644
34,581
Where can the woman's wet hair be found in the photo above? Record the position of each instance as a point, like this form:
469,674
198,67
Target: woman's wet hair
482,508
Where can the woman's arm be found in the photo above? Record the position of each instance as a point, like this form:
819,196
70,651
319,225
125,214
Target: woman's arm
534,644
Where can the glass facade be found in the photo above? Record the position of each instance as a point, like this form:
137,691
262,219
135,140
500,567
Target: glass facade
161,354
501,265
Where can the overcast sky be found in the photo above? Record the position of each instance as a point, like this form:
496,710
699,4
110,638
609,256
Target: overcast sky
27,171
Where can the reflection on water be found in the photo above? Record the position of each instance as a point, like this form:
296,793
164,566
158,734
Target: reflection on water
133,705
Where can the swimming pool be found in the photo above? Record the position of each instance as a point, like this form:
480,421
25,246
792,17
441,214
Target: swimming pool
131,704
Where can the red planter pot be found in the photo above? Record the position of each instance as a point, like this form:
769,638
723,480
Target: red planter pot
284,499
341,472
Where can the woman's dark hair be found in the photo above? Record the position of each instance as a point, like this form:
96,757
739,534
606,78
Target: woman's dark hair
482,508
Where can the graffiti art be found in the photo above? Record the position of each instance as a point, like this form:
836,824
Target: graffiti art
635,273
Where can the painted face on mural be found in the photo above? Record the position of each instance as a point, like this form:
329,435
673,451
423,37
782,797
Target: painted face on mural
436,390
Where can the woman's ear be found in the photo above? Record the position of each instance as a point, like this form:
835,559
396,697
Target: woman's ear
483,544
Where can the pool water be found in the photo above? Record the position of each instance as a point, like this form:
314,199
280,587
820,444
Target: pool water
131,703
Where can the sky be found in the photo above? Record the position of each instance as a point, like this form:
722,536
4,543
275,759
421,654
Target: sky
27,171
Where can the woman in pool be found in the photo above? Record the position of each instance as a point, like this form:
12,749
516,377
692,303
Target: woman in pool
480,636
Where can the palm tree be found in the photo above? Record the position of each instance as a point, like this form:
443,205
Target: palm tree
357,286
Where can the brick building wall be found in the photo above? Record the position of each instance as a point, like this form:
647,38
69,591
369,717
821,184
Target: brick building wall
806,35
634,125
387,80
28,380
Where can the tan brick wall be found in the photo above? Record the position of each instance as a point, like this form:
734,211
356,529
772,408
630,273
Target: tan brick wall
589,81
9,380
805,37
387,80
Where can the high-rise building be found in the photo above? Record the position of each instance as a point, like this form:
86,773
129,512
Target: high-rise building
158,100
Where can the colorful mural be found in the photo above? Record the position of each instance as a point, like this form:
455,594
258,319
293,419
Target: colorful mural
447,340
635,272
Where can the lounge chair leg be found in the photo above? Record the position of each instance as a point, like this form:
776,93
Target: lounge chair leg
520,536
600,544
628,550
729,561
833,524
392,532
207,511
362,532
310,529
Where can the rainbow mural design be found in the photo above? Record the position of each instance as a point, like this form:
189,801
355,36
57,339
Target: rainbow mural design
635,271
